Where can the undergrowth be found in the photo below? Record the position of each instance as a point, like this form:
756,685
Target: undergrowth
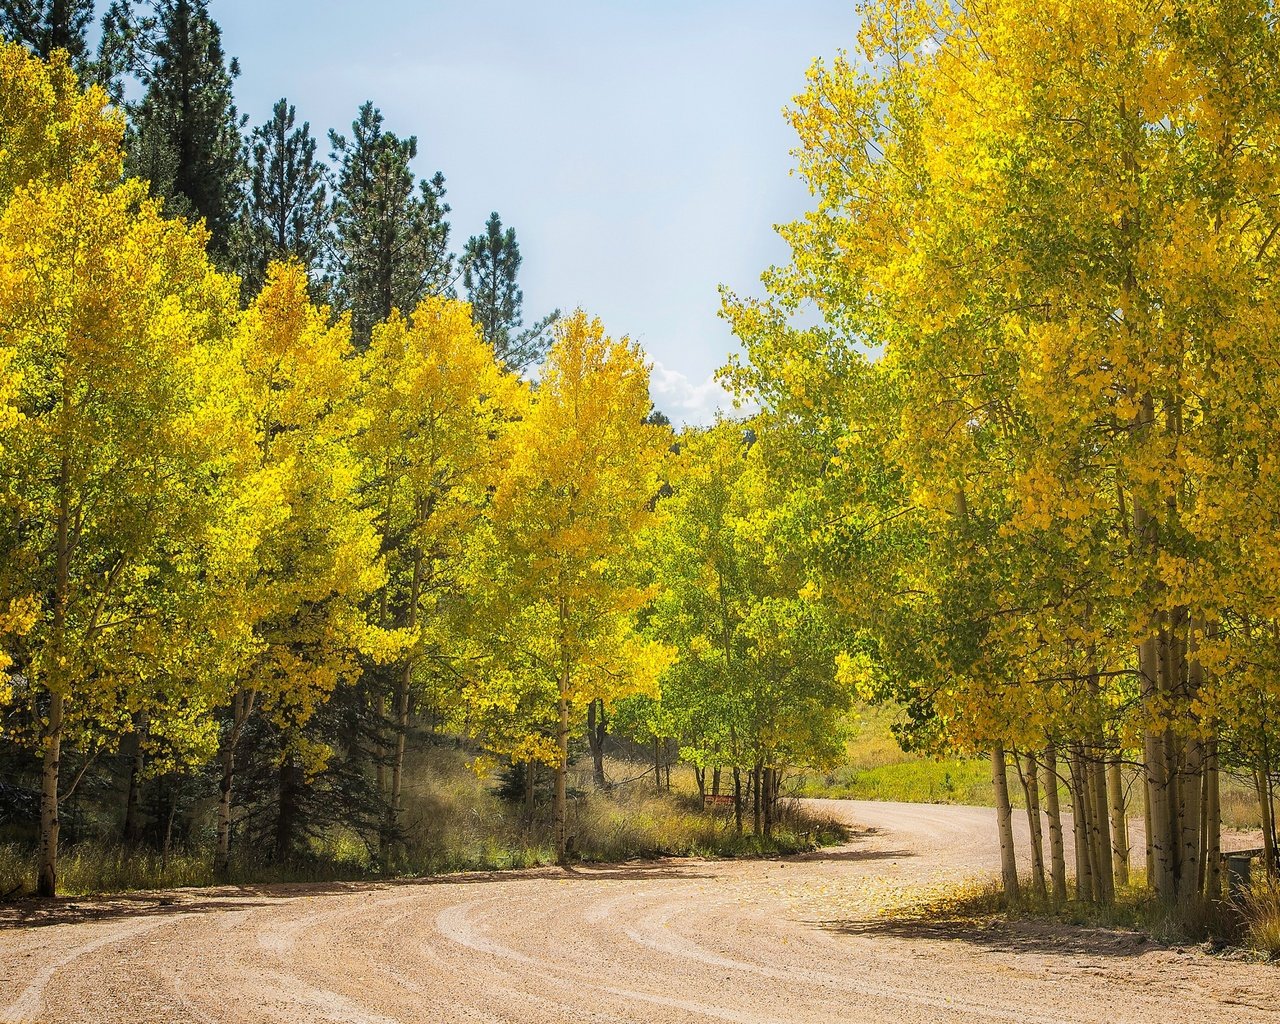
453,822
1250,920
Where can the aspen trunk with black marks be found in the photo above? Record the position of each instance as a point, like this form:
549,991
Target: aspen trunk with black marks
1145,543
1004,824
391,831
1159,824
222,857
1053,812
1146,831
1031,790
1099,830
1271,819
1094,764
1172,664
715,782
1212,862
51,739
171,812
1119,820
755,799
1190,818
737,799
560,811
1263,789
767,786
403,691
47,879
1152,665
380,713
657,764
1191,810
596,727
700,777
1078,786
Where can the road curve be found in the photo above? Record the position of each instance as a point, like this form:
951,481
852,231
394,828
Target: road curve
751,942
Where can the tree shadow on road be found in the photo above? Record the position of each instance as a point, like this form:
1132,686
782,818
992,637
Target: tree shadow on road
32,913
849,852
37,913
1055,938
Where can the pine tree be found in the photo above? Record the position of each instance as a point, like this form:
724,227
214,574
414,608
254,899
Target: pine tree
286,210
491,265
185,132
47,25
391,245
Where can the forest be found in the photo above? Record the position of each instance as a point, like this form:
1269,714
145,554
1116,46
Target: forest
279,502
289,487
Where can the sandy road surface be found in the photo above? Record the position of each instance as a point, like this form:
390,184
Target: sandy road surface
779,942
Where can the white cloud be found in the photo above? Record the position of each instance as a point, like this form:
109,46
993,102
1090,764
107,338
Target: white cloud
689,403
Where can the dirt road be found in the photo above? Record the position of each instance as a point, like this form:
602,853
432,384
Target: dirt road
778,942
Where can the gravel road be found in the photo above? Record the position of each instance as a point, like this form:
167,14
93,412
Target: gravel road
812,938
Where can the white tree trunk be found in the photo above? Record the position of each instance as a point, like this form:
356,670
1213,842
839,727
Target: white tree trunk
47,880
1004,823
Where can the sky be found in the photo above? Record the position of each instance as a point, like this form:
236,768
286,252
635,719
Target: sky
638,149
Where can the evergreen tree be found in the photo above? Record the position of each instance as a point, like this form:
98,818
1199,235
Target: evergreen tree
47,25
491,265
391,245
286,208
185,132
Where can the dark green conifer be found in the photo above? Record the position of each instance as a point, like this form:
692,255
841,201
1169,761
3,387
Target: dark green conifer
184,134
47,25
391,239
490,271
286,210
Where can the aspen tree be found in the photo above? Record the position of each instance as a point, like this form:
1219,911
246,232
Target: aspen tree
437,408
563,579
1039,213
120,329
311,555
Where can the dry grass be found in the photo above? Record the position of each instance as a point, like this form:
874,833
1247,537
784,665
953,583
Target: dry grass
454,822
1260,907
1239,804
1135,909
92,869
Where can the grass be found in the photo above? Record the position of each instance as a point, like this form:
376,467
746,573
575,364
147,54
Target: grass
1261,910
1135,909
876,768
453,823
1251,921
457,824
